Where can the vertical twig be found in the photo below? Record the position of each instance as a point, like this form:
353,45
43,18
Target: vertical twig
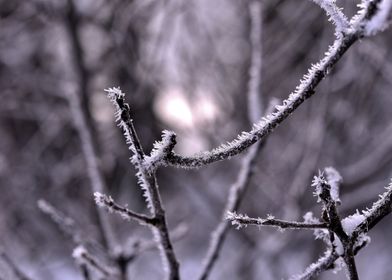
238,189
93,171
83,121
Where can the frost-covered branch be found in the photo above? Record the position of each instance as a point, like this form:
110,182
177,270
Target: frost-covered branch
147,179
112,207
373,16
303,91
323,263
355,226
376,213
335,15
323,190
344,237
240,220
160,151
345,245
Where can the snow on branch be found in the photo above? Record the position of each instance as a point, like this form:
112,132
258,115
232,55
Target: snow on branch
344,237
327,188
373,16
335,180
323,191
160,151
240,220
335,15
348,235
376,213
112,207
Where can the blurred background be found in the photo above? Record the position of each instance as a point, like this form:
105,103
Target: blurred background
184,66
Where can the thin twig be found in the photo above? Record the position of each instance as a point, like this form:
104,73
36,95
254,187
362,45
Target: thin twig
240,220
84,125
94,174
108,203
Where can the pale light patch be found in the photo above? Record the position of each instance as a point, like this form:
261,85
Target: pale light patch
173,108
178,112
101,109
190,143
205,109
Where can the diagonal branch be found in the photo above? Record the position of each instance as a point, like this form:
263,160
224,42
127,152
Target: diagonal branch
335,15
374,215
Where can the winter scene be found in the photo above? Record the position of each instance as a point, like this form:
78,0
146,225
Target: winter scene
195,139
